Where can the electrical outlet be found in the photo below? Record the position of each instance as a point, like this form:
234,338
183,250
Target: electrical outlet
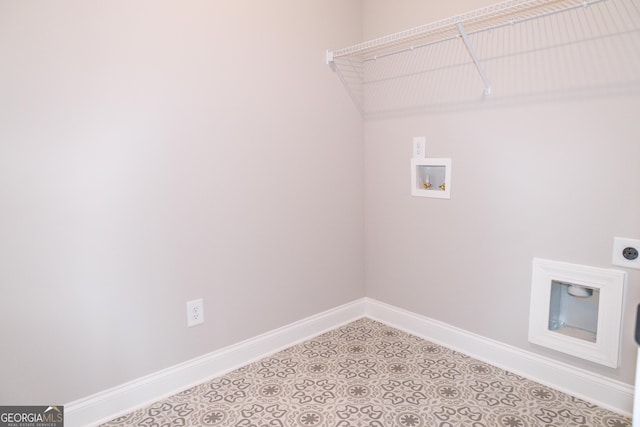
625,252
195,312
419,147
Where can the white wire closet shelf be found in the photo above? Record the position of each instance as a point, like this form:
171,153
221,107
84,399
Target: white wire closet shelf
505,52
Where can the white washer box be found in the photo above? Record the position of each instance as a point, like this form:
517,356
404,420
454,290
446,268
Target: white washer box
431,177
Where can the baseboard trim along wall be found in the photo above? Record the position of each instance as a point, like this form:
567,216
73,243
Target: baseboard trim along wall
106,405
595,388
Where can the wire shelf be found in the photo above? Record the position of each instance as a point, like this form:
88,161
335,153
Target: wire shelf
513,49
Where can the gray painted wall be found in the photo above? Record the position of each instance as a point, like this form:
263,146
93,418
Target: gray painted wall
556,179
160,151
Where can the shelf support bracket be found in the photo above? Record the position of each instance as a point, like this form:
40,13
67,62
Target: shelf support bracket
465,38
330,60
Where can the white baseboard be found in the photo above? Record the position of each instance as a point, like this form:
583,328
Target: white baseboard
104,406
600,390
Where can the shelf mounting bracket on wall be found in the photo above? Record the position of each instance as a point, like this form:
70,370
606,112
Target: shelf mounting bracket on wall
465,38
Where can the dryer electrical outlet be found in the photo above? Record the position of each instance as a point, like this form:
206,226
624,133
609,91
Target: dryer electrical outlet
625,252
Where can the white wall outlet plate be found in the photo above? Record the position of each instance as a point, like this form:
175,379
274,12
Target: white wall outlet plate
419,147
195,312
626,252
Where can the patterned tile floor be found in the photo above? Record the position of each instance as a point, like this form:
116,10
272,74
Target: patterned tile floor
367,374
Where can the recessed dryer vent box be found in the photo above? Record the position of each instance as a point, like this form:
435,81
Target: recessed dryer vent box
431,177
577,310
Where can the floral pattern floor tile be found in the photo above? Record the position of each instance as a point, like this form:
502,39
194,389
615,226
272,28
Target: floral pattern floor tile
367,374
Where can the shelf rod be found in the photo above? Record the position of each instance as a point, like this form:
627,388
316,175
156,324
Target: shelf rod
465,38
511,22
491,11
439,25
410,48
